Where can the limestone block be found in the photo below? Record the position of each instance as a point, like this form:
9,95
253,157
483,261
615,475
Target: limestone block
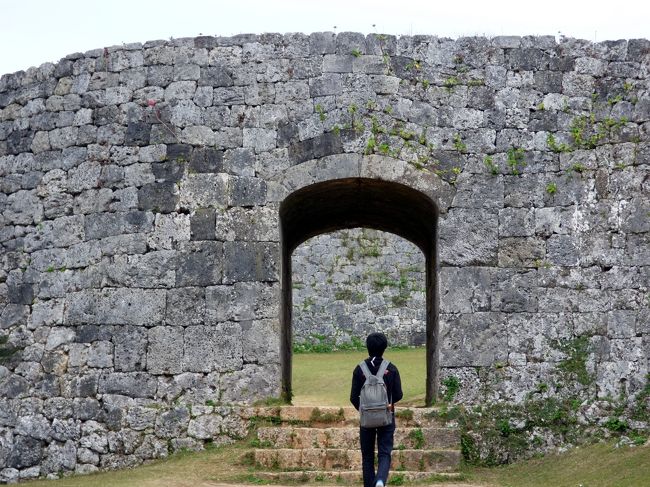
322,43
61,138
553,220
205,427
165,353
115,306
170,230
132,384
185,113
158,197
477,339
140,418
521,252
259,93
291,91
23,208
229,138
516,222
87,456
26,452
251,383
215,76
206,160
100,354
248,261
468,237
59,336
563,250
199,264
464,290
62,232
259,139
173,168
102,225
479,191
130,347
199,135
258,223
205,190
635,216
213,348
515,291
203,224
245,191
261,341
151,448
59,457
185,72
152,153
637,249
185,306
621,324
34,426
328,84
180,90
128,244
228,96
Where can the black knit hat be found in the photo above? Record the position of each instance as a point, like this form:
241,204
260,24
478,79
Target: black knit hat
376,343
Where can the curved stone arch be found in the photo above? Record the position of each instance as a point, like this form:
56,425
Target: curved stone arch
350,190
353,165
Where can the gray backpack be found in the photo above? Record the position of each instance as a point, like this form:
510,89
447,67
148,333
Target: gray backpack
373,400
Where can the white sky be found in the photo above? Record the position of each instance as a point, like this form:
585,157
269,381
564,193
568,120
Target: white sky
36,31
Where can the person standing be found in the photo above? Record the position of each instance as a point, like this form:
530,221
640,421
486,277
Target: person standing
376,343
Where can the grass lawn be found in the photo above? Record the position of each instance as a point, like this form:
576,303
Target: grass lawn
600,465
324,379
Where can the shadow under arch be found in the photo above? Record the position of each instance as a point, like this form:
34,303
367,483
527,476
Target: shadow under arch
353,202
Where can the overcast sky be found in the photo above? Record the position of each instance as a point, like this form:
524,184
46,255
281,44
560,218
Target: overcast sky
36,31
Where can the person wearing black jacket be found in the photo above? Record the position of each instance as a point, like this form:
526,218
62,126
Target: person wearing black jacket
376,343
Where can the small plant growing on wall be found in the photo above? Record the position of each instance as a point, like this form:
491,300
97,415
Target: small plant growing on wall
515,160
452,386
491,165
459,145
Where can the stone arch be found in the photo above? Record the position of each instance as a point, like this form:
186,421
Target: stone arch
348,191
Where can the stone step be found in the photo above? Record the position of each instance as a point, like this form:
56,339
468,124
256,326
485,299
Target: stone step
348,476
347,459
328,416
348,438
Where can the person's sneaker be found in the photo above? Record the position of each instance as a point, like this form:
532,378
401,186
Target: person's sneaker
379,483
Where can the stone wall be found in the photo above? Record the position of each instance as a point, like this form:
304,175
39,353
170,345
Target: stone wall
353,282
140,192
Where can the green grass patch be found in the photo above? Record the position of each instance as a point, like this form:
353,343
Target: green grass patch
601,465
186,469
324,379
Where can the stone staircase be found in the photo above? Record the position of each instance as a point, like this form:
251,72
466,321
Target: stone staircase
322,444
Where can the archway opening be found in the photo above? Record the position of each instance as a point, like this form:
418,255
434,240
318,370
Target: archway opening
369,203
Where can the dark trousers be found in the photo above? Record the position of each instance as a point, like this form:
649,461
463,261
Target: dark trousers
384,439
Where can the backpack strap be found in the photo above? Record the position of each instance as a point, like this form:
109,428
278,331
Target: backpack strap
382,369
365,369
380,375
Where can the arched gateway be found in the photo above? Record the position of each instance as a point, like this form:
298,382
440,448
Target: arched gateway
348,191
